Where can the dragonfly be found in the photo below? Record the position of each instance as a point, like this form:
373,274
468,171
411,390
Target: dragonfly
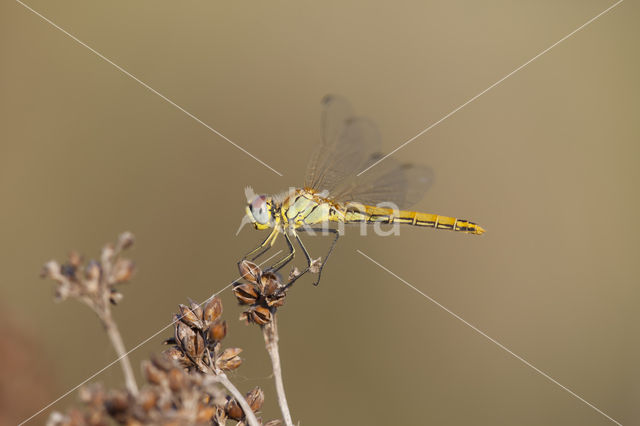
336,191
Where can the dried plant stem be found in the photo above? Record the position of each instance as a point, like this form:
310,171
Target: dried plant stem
270,333
248,412
116,340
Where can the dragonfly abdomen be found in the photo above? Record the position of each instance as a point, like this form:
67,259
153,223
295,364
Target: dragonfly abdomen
370,214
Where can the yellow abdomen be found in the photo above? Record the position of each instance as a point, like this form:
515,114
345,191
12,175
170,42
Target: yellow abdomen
370,214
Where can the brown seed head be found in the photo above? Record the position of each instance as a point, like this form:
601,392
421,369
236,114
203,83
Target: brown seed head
205,413
220,417
233,410
125,240
115,297
255,399
246,293
249,271
122,271
176,379
153,374
92,271
176,355
189,317
218,331
196,309
75,259
270,282
229,359
147,399
260,315
212,310
117,402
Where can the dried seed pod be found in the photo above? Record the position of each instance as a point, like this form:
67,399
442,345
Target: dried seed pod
229,353
212,310
255,398
176,355
276,300
190,341
51,269
164,361
260,315
246,293
92,395
233,410
153,374
75,259
196,309
68,270
205,413
92,271
189,317
115,297
218,331
125,240
229,359
147,399
231,364
106,256
220,417
270,282
122,271
181,331
176,379
249,271
117,402
199,343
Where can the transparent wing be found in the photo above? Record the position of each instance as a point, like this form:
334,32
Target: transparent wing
346,143
349,145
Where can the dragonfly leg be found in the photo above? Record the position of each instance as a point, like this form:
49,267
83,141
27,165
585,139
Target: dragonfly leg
333,244
263,247
323,261
282,262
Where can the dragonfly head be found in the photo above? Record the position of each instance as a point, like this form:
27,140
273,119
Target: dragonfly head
260,212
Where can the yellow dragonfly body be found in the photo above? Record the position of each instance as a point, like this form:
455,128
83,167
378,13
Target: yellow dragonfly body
337,191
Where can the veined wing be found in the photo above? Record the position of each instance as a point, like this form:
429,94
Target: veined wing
349,145
346,142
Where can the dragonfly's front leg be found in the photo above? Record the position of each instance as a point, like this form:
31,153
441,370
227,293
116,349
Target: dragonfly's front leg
263,247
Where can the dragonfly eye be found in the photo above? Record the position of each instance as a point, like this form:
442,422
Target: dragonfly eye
260,210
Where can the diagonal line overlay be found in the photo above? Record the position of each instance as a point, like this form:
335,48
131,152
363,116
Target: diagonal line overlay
142,343
431,126
491,339
146,86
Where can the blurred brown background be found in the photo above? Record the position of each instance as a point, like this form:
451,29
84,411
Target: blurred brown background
546,162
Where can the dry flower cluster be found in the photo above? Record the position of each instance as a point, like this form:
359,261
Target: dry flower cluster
263,292
186,384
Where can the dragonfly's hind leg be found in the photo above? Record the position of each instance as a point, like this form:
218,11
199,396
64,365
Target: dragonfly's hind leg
333,244
323,261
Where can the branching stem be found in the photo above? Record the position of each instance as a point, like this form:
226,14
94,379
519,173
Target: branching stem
116,340
248,412
270,333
